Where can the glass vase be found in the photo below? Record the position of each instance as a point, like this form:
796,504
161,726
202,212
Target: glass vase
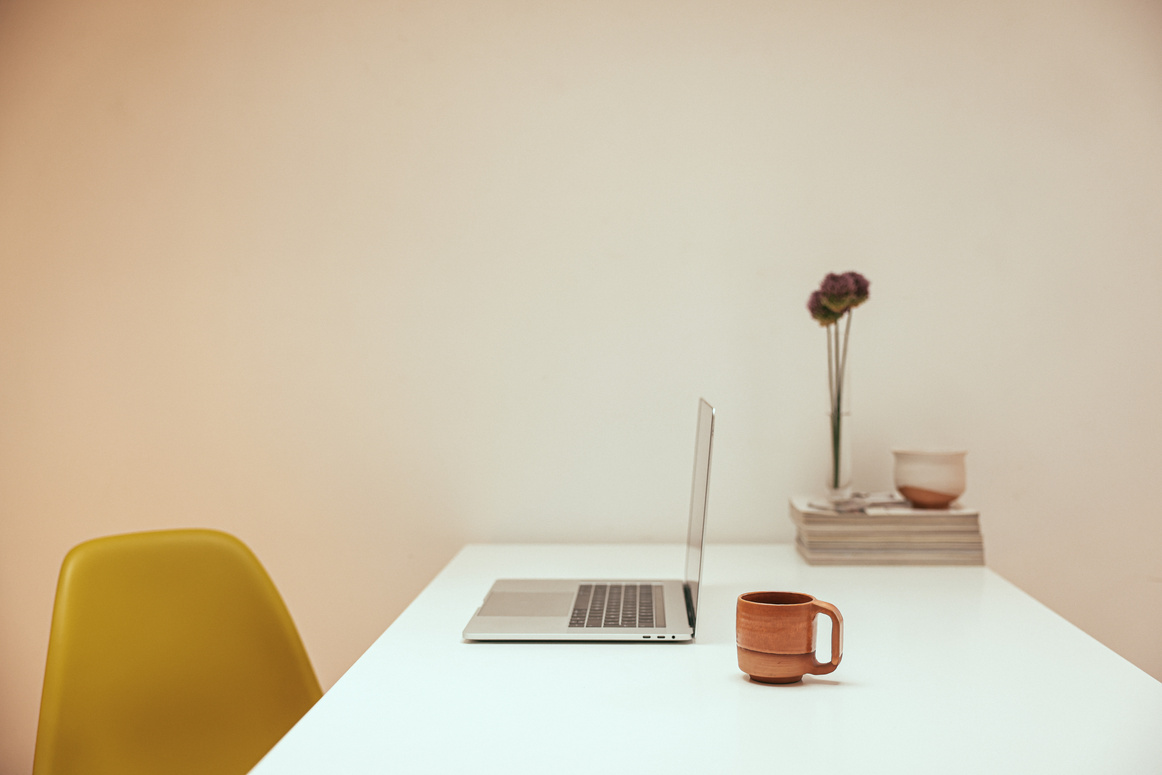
837,485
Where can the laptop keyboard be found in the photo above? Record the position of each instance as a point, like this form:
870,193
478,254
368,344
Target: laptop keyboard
616,605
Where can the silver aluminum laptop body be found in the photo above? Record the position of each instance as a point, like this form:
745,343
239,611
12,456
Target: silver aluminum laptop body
601,609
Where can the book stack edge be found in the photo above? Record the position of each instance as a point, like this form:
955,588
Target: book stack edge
885,531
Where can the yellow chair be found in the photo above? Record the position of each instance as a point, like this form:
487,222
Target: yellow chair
171,652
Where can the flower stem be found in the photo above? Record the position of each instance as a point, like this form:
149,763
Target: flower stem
836,372
842,369
831,361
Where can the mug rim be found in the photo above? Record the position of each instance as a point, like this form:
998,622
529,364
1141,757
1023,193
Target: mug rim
791,598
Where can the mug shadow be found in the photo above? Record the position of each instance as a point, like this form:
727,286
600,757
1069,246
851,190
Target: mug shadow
807,680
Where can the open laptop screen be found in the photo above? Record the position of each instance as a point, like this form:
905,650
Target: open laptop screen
698,499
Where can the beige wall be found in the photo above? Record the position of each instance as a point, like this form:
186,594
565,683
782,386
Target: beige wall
364,281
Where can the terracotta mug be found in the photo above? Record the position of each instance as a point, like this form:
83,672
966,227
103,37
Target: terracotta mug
775,633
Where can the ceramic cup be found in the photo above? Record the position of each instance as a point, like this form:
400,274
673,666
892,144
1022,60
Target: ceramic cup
775,634
929,479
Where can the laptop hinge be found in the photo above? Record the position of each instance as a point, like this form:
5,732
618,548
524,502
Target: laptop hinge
689,606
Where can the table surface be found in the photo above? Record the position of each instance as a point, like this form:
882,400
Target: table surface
945,669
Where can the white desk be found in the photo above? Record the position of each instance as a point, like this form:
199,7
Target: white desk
949,670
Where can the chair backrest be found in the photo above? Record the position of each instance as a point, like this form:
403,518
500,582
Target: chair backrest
170,652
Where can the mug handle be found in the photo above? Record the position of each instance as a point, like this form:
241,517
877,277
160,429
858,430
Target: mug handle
822,668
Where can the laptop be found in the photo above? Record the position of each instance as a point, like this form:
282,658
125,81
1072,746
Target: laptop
641,610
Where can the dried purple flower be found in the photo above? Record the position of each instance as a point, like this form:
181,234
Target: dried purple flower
820,311
842,292
862,287
836,297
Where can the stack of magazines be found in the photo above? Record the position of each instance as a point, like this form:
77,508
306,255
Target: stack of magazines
883,529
